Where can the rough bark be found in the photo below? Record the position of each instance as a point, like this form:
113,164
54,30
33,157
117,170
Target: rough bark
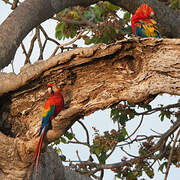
91,79
54,170
31,13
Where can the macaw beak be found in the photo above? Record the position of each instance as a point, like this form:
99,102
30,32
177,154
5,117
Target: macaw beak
49,90
152,14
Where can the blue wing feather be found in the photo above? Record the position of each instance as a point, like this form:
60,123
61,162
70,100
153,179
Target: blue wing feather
146,30
46,119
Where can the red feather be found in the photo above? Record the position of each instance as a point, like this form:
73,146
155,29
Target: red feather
144,13
53,106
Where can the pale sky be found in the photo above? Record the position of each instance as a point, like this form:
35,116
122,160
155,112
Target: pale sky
101,119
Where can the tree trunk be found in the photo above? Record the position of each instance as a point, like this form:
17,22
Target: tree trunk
91,79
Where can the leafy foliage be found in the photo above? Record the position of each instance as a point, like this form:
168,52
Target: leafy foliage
103,145
101,23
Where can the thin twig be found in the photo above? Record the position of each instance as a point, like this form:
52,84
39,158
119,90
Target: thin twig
87,133
66,44
101,175
46,36
156,132
24,52
170,155
31,47
7,2
148,112
39,43
137,127
78,142
165,136
128,153
78,156
108,155
140,139
14,4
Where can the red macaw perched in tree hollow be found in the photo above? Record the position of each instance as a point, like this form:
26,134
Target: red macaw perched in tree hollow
142,23
53,105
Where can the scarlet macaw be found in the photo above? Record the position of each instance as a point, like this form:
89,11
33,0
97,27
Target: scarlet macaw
53,105
142,23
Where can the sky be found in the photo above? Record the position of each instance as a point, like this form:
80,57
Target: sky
100,119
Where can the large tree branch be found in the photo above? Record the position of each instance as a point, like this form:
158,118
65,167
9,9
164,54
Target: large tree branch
31,13
91,79
168,19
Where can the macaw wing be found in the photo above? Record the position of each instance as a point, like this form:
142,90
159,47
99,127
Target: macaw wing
48,112
144,29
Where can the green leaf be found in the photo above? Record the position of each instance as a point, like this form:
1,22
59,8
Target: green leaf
74,32
69,135
75,15
64,11
59,30
127,16
99,10
119,175
63,158
162,116
87,14
161,167
59,35
131,104
149,172
120,137
124,132
115,114
92,149
58,150
131,115
146,106
123,118
111,7
98,151
130,175
63,140
57,142
168,115
87,40
60,26
102,158
106,148
142,152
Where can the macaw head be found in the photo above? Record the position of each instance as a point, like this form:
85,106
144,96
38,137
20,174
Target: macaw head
53,89
144,12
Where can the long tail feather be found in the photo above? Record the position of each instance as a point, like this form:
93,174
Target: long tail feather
38,151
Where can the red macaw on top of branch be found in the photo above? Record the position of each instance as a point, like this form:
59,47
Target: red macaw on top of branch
53,105
142,23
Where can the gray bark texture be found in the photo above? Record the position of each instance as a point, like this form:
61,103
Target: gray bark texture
54,170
